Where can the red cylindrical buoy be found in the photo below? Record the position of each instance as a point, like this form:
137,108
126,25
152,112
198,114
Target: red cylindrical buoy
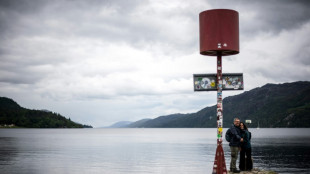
219,32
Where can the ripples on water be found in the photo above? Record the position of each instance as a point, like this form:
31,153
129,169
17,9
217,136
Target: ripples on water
137,151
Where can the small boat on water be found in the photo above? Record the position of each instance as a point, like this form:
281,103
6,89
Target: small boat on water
257,125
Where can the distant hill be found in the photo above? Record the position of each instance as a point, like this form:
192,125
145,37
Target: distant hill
120,124
272,105
16,116
138,123
159,122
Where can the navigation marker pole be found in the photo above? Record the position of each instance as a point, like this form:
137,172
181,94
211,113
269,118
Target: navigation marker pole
219,166
219,36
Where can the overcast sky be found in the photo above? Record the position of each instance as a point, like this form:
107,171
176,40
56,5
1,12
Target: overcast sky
103,61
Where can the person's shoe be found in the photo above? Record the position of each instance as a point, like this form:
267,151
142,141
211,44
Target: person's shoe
236,171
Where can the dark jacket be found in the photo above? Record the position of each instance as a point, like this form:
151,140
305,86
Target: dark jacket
246,144
236,136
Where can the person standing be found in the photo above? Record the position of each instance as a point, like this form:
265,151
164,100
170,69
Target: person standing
235,144
246,149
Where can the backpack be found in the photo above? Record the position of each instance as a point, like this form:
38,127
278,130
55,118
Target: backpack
228,135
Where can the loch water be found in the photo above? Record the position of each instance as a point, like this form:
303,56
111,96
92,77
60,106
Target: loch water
141,151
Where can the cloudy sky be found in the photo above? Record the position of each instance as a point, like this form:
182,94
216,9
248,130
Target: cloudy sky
103,61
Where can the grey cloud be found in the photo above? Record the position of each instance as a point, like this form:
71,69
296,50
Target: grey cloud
27,6
17,78
302,56
27,63
22,74
267,16
25,23
13,12
274,16
280,72
83,19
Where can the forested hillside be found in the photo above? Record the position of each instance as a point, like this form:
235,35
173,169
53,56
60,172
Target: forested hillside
16,116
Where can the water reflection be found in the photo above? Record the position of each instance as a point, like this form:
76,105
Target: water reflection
8,151
284,158
137,151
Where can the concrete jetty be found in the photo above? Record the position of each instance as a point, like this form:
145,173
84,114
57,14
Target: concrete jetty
256,171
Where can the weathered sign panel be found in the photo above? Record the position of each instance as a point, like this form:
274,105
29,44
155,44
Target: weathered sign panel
208,82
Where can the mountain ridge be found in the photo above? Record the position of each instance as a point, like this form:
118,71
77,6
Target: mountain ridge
272,105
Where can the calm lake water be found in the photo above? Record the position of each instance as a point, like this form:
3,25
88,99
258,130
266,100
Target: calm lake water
140,151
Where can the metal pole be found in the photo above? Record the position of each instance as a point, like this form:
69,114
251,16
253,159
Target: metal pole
219,166
219,99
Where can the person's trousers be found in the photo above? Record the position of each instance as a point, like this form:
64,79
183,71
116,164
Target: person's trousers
246,162
234,156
